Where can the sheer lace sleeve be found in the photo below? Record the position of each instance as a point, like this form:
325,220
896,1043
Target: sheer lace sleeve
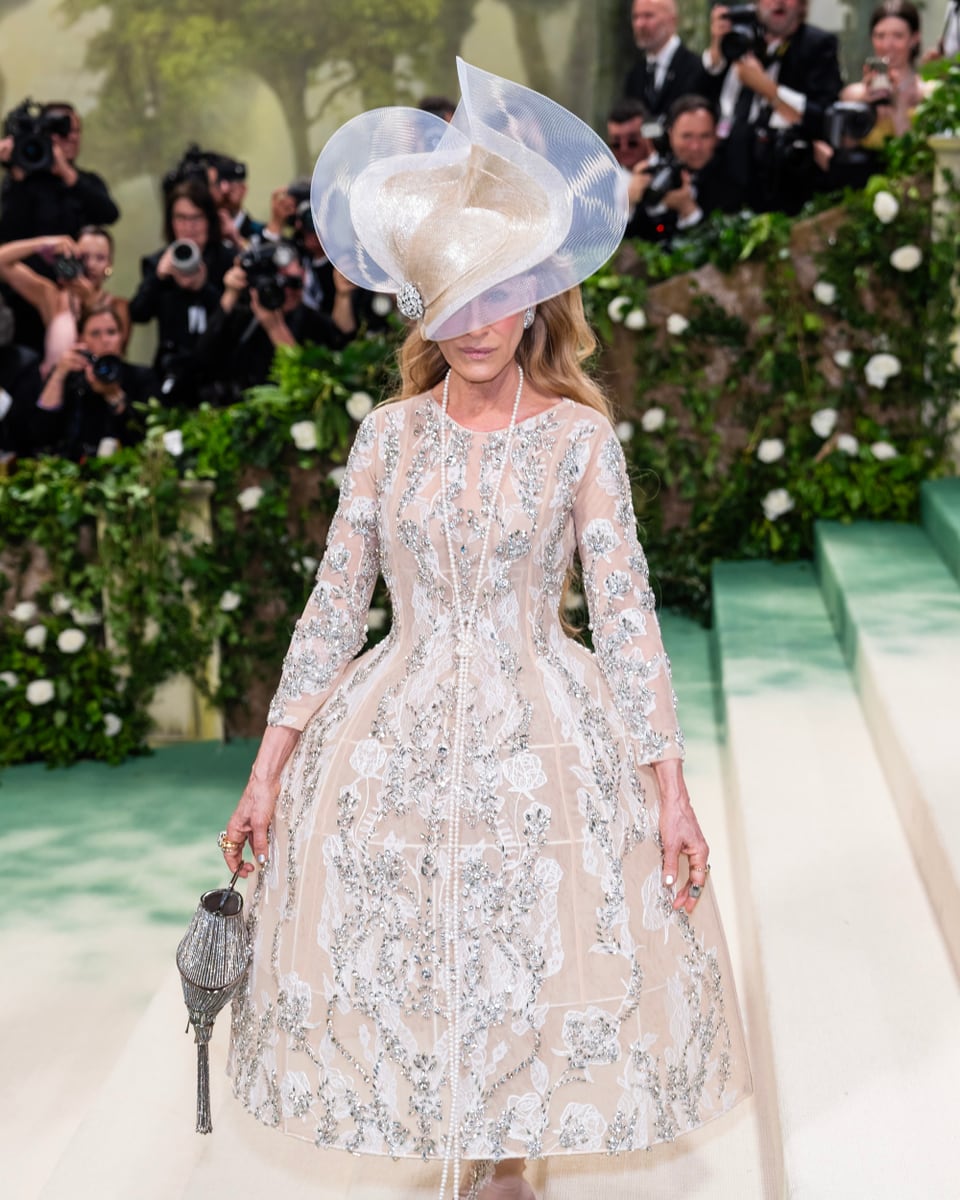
626,633
331,629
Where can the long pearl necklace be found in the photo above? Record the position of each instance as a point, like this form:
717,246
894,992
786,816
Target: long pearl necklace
465,634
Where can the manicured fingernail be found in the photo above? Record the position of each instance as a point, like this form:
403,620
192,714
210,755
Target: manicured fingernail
668,880
262,860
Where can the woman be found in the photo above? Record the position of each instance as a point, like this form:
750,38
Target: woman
471,936
891,84
96,248
179,290
59,303
88,403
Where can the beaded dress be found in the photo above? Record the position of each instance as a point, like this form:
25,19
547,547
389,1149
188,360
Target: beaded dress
592,1017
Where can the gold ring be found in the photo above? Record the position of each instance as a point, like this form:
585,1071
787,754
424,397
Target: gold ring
228,845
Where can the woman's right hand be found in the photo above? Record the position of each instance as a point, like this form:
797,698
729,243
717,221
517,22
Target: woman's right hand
250,822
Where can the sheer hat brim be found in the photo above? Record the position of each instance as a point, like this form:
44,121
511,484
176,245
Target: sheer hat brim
514,201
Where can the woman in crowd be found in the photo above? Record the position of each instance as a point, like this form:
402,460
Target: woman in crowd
181,286
88,404
59,302
472,937
890,80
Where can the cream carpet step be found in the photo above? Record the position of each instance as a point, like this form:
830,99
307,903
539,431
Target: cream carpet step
845,960
940,499
896,608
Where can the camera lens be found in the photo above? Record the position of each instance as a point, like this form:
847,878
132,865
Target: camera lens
186,256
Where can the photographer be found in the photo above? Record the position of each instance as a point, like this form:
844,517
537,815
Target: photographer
181,288
229,192
262,308
677,190
91,393
773,77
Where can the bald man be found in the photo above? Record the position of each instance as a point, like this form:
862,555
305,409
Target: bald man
665,69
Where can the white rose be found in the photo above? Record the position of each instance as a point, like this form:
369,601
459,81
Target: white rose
652,420
776,503
9,678
376,618
617,307
885,207
382,305
308,564
250,497
336,475
677,324
85,616
823,422
906,258
71,640
843,358
625,431
824,292
635,319
173,442
60,604
25,611
151,631
358,405
111,724
40,691
107,447
304,434
229,601
848,444
36,637
883,451
881,367
573,600
770,450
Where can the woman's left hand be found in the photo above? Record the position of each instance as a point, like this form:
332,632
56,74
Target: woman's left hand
680,833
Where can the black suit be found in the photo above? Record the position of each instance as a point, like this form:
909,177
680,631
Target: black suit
685,75
715,192
808,64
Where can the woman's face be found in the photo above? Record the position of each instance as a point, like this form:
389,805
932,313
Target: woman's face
96,256
483,354
895,41
101,334
189,221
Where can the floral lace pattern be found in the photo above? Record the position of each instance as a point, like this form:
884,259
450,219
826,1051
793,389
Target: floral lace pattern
593,1017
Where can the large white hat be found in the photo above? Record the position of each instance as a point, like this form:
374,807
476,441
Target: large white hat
512,202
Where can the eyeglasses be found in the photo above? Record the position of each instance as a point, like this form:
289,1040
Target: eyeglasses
191,218
630,142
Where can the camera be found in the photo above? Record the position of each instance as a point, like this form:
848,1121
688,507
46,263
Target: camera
186,256
745,35
107,368
665,176
263,264
66,268
192,168
32,131
848,121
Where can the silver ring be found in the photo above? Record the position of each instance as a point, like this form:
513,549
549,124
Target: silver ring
695,890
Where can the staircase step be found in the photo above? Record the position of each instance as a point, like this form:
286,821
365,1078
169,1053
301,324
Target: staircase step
859,1005
940,504
896,609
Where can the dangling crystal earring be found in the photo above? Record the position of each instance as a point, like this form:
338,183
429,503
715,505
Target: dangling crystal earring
528,316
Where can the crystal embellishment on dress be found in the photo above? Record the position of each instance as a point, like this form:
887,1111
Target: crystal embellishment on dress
410,302
465,634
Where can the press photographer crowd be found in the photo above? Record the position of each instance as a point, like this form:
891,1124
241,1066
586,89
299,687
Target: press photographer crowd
761,120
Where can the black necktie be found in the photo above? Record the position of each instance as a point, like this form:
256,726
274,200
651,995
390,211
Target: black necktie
650,84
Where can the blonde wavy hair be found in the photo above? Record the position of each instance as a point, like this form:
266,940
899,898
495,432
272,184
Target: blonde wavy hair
553,353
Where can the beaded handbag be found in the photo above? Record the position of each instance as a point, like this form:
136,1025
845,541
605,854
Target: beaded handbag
212,958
